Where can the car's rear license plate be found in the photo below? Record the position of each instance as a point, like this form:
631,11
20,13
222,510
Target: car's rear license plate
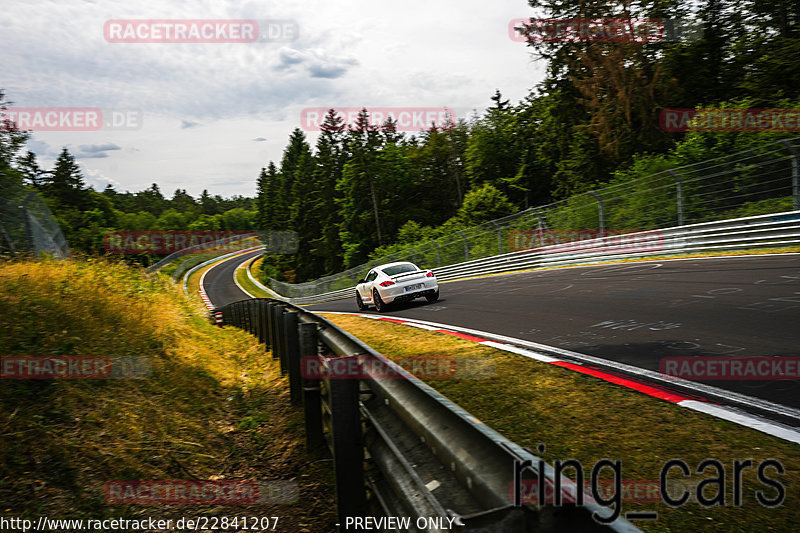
413,287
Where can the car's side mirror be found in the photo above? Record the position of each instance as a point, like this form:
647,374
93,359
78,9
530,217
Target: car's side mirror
360,281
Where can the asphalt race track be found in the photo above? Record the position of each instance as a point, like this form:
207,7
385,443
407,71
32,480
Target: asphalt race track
635,313
219,284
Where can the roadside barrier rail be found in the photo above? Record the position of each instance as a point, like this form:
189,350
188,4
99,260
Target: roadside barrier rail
401,449
194,249
774,230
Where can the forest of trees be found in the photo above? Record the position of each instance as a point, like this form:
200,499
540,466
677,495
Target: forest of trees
594,119
86,215
364,190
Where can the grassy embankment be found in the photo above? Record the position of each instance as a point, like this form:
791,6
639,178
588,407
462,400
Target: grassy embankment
190,260
214,407
581,417
246,283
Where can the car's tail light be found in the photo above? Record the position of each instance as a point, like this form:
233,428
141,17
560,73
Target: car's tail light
387,283
429,274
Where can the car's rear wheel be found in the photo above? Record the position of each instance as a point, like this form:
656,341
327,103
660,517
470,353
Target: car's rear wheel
432,297
380,306
360,302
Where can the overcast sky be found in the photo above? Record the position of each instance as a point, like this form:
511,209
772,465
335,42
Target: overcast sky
211,115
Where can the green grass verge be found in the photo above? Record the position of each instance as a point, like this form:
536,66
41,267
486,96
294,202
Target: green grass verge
245,281
581,417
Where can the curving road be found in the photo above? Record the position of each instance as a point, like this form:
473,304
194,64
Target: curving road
218,281
639,313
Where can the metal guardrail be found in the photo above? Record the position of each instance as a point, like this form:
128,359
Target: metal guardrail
276,242
196,248
772,230
400,448
755,178
192,270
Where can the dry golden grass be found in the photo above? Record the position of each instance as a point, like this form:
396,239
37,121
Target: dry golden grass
214,406
581,417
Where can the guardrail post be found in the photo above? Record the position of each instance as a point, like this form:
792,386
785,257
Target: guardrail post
271,326
276,336
279,312
679,184
280,344
235,315
600,212
254,306
312,406
250,306
293,357
262,323
795,175
348,451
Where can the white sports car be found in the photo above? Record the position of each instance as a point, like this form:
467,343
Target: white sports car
395,282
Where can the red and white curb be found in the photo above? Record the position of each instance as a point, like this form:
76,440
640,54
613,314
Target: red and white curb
695,403
204,296
210,306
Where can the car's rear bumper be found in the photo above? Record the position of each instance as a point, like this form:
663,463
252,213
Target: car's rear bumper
405,297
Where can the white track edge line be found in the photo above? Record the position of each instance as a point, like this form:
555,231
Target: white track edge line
722,412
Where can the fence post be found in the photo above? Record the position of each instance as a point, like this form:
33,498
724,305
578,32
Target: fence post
466,245
795,175
600,212
438,255
293,357
307,347
541,226
499,237
348,450
679,183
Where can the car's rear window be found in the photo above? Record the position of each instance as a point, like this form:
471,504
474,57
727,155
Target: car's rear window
399,269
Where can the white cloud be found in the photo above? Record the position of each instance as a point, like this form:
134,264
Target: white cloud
349,53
